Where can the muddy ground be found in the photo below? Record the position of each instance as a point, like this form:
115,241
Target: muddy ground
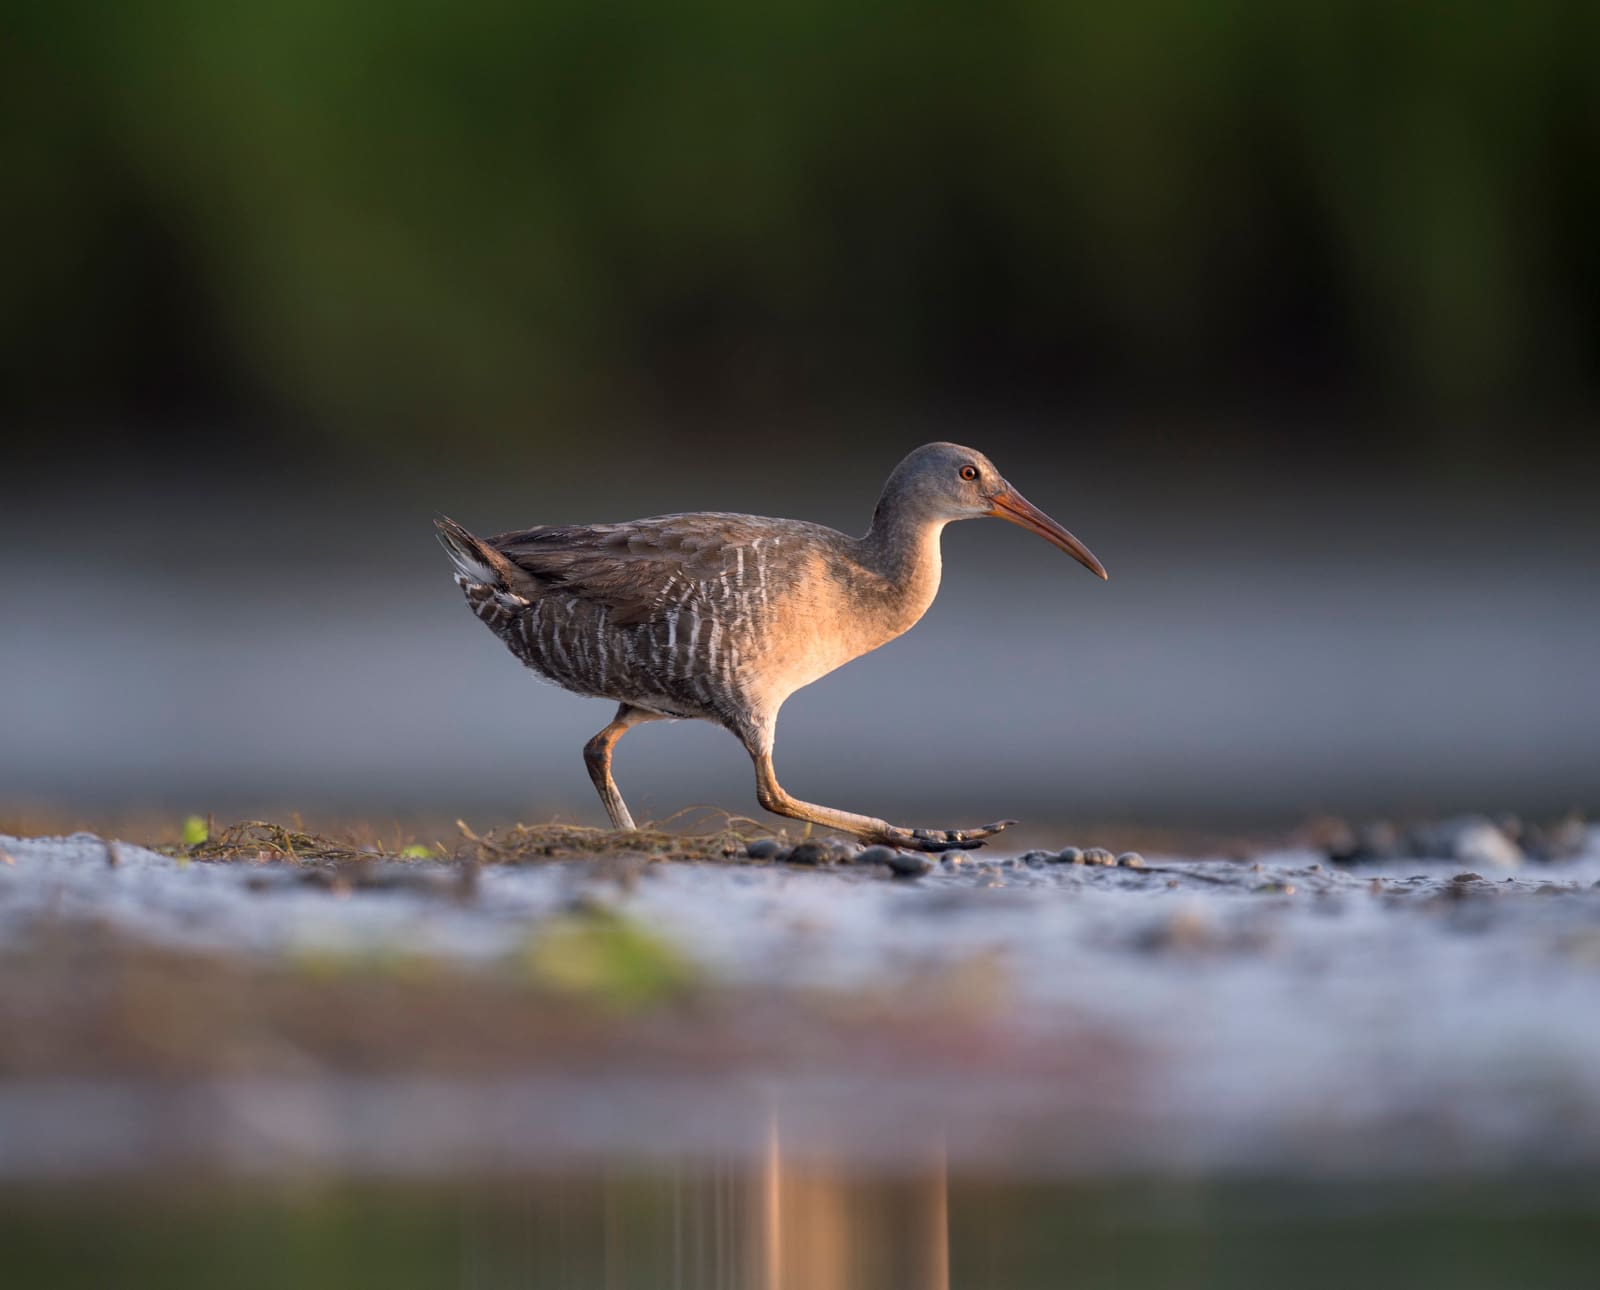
505,1006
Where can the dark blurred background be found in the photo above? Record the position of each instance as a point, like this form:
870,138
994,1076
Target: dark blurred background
1292,312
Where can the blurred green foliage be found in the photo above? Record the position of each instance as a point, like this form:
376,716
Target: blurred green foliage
607,958
493,217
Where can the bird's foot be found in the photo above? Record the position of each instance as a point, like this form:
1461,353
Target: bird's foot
940,839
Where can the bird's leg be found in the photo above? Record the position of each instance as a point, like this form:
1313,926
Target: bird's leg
597,757
774,799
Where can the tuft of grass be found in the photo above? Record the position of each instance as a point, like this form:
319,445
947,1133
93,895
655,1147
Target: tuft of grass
262,840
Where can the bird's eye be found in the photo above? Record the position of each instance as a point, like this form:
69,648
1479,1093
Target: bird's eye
969,472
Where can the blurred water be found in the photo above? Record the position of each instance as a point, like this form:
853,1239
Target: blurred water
1263,649
786,1225
727,1226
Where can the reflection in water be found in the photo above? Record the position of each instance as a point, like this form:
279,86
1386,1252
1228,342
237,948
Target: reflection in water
781,1224
776,1218
807,1236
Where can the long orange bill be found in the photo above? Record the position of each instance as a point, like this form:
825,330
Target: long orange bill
1012,505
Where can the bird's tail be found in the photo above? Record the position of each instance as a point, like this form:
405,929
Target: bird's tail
475,560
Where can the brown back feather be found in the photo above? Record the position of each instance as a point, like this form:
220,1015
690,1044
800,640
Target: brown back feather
632,568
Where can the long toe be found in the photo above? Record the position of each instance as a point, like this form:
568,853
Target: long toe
946,839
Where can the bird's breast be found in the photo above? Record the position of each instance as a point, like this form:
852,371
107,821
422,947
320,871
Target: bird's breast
838,611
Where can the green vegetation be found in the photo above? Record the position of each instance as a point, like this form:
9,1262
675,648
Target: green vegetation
602,955
496,218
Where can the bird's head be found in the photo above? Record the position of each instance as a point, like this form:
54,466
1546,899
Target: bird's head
945,481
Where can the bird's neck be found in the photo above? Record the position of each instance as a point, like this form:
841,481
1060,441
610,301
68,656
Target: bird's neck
903,548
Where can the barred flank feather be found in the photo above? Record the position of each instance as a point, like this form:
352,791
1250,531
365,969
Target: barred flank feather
658,613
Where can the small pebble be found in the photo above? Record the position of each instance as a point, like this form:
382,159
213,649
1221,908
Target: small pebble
1099,855
808,853
1033,859
1130,860
876,855
1070,855
763,848
908,864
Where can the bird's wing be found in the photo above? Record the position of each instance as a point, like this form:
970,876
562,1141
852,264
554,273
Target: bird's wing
641,568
